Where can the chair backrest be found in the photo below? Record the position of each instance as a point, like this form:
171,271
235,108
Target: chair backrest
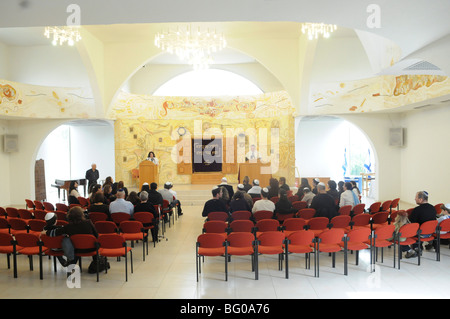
36,224
265,225
105,227
6,239
18,224
428,227
393,216
345,210
131,226
293,198
39,214
331,236
223,216
4,224
445,225
361,219
317,223
375,207
111,241
409,211
293,224
241,226
83,201
359,234
38,205
255,199
262,214
341,221
380,217
48,206
409,230
215,226
210,240
395,202
240,239
52,242
301,237
306,213
97,216
275,199
60,215
84,241
358,208
12,212
166,205
384,232
62,207
241,215
26,240
282,217
299,205
25,214
144,217
271,238
386,206
30,204
438,208
120,217
3,212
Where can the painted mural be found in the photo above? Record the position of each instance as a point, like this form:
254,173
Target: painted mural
24,100
375,94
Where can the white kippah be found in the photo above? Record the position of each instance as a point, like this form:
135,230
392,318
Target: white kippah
49,216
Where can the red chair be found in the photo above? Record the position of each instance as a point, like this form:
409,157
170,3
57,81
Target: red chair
223,216
428,228
3,213
97,216
266,225
301,242
8,247
381,239
262,214
210,245
327,241
114,245
443,232
299,205
291,225
241,215
62,222
4,226
345,210
60,215
38,205
408,232
25,214
341,222
272,243
18,226
358,209
84,202
216,227
149,222
54,247
29,204
293,198
133,230
275,199
409,211
356,240
386,206
374,208
39,214
379,219
361,220
12,212
106,227
86,246
120,217
48,207
62,207
30,245
242,244
255,199
395,204
393,216
438,208
306,213
318,224
36,226
241,226
167,210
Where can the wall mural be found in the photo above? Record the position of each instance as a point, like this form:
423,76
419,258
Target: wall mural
375,94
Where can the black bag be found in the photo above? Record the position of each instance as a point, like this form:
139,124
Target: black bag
102,264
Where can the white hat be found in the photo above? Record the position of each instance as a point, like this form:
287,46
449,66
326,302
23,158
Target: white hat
49,216
265,189
145,183
447,206
256,182
224,179
321,184
240,186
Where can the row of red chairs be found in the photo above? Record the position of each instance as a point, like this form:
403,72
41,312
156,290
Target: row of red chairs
306,241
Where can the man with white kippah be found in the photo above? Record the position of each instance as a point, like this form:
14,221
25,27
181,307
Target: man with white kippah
255,191
228,187
168,195
247,197
264,203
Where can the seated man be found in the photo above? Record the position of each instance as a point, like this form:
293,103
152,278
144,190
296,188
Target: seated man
255,191
120,205
215,204
170,196
264,203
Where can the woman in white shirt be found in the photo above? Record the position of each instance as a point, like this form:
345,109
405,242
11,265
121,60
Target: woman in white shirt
151,157
348,197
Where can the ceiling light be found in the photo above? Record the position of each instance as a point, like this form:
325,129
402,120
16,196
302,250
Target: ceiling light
62,35
315,29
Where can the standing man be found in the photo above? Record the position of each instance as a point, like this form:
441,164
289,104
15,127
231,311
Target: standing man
92,175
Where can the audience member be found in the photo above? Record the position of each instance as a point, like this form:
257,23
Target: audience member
97,188
50,220
315,182
176,201
274,188
133,198
323,203
246,183
228,187
341,188
307,196
333,192
215,204
98,205
445,214
154,196
238,202
255,191
120,185
355,188
145,206
284,206
264,203
247,197
348,197
283,184
107,193
73,193
303,183
120,205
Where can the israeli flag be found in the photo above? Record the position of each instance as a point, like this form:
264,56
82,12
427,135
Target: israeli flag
345,166
368,164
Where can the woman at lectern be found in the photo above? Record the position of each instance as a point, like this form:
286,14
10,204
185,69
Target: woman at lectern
153,158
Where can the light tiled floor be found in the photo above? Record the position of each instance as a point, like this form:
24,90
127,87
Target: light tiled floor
169,273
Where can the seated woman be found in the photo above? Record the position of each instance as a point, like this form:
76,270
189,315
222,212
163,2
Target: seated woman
283,205
98,205
73,193
238,202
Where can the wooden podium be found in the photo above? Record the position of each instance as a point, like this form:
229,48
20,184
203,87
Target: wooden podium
148,173
253,171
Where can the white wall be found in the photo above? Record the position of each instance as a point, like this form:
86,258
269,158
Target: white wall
5,174
425,163
4,69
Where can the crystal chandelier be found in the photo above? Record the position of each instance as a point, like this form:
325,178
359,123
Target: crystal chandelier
69,34
193,47
315,29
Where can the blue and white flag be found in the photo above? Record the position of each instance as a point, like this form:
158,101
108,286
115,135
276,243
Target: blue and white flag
345,165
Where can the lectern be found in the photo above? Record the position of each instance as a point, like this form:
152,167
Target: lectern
255,171
148,173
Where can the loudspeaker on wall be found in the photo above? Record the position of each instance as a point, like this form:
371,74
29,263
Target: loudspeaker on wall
10,143
396,136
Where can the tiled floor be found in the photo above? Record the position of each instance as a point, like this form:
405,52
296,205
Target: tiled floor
169,273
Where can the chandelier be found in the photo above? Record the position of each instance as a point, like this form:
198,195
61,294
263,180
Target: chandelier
191,46
315,29
69,34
